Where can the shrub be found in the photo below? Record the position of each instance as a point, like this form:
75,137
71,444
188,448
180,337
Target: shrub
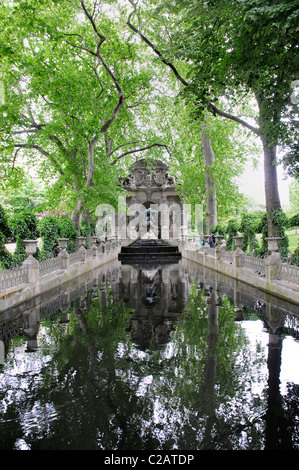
24,226
4,225
52,228
248,227
67,229
6,258
280,221
232,231
295,257
49,231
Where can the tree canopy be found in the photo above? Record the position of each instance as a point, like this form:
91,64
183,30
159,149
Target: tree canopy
87,87
233,50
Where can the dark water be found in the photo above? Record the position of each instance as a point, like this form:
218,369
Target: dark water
150,359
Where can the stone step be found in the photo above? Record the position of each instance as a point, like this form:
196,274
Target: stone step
149,249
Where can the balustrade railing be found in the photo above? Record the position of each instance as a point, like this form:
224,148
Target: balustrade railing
13,277
288,272
255,264
227,256
284,270
75,257
49,265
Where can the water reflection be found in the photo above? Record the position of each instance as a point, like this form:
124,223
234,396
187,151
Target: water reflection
153,357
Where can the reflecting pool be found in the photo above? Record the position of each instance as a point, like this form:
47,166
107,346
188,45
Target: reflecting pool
150,358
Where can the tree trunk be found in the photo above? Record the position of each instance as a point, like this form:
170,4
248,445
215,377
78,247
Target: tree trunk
209,160
271,184
75,217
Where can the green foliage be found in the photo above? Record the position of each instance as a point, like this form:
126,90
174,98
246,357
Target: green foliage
4,224
219,229
232,231
67,229
281,221
263,229
87,229
248,227
295,257
52,228
24,226
49,231
294,221
6,258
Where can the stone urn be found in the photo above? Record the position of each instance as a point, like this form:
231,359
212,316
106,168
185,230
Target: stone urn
63,243
30,247
81,241
219,239
273,244
93,240
238,241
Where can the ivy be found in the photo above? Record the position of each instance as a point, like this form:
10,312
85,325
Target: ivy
67,229
248,227
263,229
231,231
6,258
280,220
4,225
52,228
295,257
24,226
294,221
49,231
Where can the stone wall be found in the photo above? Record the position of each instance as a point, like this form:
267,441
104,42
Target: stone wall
33,278
269,274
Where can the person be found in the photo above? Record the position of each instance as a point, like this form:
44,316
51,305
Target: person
56,249
212,240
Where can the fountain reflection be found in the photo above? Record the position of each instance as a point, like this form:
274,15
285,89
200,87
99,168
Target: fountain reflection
181,316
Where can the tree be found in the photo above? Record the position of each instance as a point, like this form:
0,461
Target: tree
232,49
70,76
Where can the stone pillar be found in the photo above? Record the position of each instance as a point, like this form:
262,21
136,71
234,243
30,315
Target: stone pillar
31,262
81,248
81,242
93,241
272,264
102,248
217,253
32,329
184,228
273,261
164,220
238,254
63,255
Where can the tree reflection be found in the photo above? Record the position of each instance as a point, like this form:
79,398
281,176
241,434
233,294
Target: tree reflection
90,386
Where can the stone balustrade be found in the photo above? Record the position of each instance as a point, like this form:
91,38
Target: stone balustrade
270,274
34,277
